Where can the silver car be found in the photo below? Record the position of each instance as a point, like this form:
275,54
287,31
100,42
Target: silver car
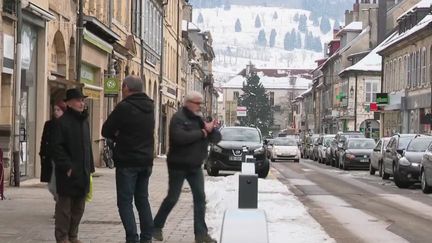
376,157
324,145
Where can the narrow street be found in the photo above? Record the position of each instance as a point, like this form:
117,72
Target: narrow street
353,206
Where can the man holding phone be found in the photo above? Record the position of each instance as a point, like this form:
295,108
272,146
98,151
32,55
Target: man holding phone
189,138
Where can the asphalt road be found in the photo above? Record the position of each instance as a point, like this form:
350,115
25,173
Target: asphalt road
353,206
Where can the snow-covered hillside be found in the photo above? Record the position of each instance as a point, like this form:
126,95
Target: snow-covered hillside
234,50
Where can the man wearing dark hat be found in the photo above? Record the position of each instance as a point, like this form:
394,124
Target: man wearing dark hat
72,155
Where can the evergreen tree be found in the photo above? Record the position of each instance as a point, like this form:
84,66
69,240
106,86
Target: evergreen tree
325,25
275,15
200,19
257,22
336,25
256,101
298,42
227,5
296,17
238,27
287,43
262,40
272,38
302,26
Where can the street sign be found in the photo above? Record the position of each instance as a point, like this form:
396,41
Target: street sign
241,111
382,98
111,87
373,106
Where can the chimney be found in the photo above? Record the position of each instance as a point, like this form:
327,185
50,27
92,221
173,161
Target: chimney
356,11
382,20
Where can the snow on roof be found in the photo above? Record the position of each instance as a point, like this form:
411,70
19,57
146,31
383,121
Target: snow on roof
346,47
270,82
399,37
189,26
356,25
306,92
371,62
421,4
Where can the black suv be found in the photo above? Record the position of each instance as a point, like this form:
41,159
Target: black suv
393,152
337,144
228,153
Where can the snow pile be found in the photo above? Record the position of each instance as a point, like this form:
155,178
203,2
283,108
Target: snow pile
288,220
270,82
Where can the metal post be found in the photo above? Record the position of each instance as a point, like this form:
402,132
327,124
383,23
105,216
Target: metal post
355,104
80,30
161,76
17,120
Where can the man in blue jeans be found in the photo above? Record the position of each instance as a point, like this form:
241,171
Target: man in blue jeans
131,127
189,138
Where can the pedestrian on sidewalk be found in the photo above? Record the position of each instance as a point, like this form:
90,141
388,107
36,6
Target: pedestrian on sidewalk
131,127
189,139
73,159
45,152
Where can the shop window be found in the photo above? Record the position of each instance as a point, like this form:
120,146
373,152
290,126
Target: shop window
418,68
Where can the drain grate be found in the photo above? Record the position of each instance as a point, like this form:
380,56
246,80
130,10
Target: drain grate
101,222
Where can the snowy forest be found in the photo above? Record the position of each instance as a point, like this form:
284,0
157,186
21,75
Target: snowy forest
328,8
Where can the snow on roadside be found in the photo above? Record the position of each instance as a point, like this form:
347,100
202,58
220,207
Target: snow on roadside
288,219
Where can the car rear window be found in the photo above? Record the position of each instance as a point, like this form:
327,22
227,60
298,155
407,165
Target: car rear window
285,142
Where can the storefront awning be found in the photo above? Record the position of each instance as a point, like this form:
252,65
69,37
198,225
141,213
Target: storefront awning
98,42
104,32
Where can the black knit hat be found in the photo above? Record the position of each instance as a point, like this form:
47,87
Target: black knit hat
74,94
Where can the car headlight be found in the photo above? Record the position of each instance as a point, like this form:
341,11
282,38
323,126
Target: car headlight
217,149
350,156
259,150
404,161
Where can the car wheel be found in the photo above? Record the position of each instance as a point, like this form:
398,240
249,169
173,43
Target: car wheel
296,160
398,180
264,172
424,185
371,169
212,171
384,175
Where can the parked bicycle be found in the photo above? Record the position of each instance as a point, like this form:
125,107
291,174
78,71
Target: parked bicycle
107,153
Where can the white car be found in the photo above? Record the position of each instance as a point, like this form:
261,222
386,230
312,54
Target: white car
285,149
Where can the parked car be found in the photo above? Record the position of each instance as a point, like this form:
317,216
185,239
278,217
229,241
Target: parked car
339,139
376,157
407,171
426,171
355,153
315,146
228,153
269,146
324,145
285,149
394,150
308,146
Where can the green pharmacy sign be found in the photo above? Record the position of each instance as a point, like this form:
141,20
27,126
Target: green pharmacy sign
341,96
111,87
382,98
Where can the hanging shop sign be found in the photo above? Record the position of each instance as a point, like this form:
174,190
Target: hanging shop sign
111,87
382,98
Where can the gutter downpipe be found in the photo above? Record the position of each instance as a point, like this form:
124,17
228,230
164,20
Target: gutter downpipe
355,103
80,39
161,76
17,120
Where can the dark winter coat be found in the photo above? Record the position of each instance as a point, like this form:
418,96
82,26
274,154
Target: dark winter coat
72,149
131,126
187,143
45,151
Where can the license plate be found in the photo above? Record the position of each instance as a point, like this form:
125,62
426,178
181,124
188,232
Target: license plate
234,158
364,160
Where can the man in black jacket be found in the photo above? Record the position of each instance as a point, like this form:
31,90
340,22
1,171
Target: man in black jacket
189,139
131,126
73,158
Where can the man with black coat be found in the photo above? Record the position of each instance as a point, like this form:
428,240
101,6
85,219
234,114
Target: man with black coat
189,138
131,126
73,158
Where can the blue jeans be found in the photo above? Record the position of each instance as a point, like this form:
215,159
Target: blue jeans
133,183
195,179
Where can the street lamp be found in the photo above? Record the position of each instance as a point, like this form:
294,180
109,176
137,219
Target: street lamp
352,91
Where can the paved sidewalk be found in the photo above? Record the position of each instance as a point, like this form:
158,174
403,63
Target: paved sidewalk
27,214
